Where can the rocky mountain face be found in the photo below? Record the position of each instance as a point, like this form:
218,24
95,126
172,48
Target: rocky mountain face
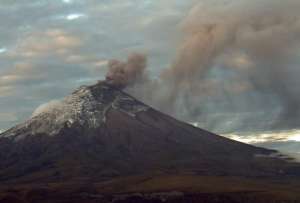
100,132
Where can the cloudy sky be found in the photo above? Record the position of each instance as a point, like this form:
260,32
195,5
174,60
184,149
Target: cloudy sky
48,48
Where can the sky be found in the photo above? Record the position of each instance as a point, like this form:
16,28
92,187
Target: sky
234,82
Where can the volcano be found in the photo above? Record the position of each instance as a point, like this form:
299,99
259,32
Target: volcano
99,133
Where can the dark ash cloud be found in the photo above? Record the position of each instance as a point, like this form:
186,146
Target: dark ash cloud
124,74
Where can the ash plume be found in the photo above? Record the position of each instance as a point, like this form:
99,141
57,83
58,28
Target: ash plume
236,68
123,74
256,42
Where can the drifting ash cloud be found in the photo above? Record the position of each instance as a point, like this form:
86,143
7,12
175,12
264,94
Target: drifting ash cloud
124,74
237,63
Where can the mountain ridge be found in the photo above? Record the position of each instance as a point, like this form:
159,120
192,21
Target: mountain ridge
100,132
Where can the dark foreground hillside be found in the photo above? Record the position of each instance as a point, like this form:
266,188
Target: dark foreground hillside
158,189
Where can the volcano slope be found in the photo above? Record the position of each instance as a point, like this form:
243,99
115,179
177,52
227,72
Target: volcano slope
99,134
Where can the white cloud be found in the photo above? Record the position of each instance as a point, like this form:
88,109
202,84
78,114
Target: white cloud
2,50
75,16
254,138
295,137
67,1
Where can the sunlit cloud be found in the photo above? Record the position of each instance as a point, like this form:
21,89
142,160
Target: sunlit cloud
295,137
2,50
74,16
254,138
67,1
286,142
49,42
101,63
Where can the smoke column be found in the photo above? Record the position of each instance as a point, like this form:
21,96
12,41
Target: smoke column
237,67
255,41
124,74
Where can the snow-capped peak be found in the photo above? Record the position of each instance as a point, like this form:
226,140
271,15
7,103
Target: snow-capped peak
86,107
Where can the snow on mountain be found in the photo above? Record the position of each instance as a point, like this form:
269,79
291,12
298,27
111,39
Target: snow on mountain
87,106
